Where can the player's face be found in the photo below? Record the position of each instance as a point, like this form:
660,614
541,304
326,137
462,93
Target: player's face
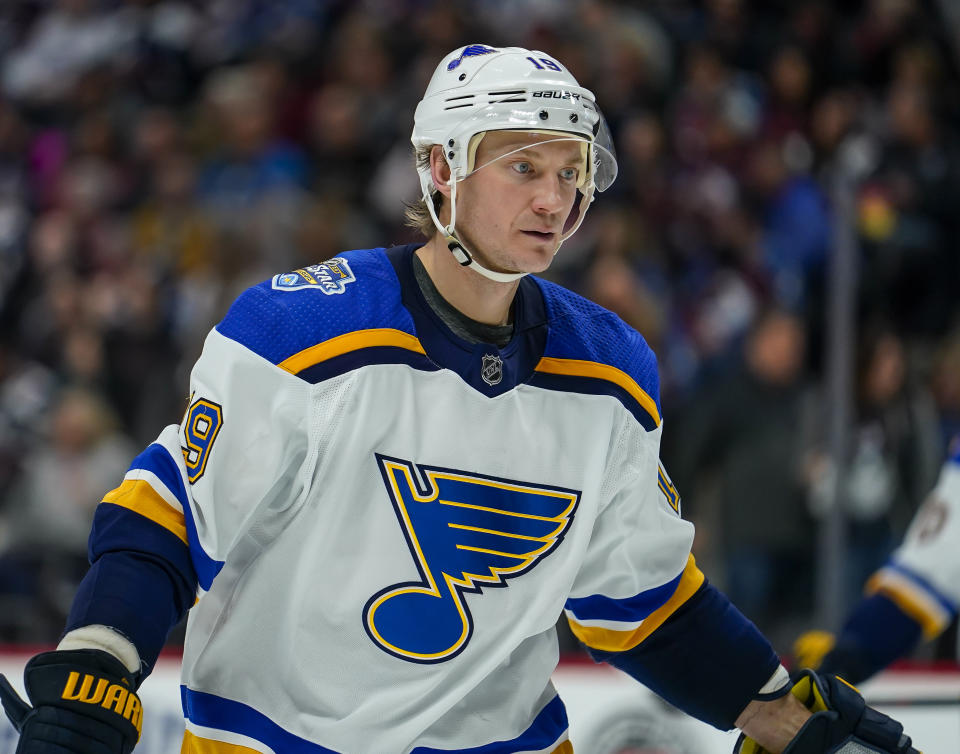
511,211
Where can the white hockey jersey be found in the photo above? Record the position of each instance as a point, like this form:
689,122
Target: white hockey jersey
386,521
923,575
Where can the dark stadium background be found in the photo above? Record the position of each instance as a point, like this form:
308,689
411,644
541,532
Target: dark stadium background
158,156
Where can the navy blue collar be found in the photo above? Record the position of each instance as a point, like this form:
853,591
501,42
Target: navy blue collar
504,368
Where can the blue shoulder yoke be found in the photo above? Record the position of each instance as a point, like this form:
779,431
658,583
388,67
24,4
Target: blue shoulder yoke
287,314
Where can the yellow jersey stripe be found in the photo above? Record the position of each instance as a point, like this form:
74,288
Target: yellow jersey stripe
609,640
351,341
195,745
138,496
580,368
931,617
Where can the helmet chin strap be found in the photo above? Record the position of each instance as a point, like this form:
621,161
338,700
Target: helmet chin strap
459,251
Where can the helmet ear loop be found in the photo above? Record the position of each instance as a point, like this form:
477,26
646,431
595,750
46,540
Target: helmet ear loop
453,203
453,243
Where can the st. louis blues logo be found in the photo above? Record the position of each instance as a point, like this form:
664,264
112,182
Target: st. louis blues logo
465,532
469,51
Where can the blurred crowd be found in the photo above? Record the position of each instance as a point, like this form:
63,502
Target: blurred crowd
158,156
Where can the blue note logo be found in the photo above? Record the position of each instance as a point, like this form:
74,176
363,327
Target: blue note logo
466,532
469,51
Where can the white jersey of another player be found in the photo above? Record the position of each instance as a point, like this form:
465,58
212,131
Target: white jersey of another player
915,595
923,576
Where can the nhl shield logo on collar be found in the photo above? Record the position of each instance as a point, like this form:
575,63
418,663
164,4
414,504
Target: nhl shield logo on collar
491,369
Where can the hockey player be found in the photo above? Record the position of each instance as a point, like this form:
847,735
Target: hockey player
914,596
398,468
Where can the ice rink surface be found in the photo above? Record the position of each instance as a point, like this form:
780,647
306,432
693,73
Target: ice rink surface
608,711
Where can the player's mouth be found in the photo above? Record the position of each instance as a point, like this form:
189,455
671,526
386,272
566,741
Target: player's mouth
540,235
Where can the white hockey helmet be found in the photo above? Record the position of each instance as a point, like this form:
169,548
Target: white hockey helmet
479,88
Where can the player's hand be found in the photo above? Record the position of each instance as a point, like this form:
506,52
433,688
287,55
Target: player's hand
84,702
841,722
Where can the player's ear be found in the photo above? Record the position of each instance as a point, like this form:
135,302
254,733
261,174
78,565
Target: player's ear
440,170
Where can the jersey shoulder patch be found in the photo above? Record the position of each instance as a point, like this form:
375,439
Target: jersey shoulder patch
593,344
330,278
357,291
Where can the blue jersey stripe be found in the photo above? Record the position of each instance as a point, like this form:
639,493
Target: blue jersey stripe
211,711
594,386
545,731
157,459
363,357
218,713
629,610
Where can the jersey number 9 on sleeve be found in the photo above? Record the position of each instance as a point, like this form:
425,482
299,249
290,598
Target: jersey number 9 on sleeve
200,428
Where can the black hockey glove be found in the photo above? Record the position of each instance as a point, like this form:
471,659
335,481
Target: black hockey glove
841,723
84,702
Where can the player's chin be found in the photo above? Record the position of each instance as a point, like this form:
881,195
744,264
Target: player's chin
538,250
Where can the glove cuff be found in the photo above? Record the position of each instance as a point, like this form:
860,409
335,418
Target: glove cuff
89,682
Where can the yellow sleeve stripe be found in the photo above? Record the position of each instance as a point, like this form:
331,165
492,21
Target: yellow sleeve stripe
609,640
910,600
195,745
580,368
138,496
351,341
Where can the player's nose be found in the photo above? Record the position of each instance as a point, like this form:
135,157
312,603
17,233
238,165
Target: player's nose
549,197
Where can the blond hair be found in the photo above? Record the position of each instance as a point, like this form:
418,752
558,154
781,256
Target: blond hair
415,214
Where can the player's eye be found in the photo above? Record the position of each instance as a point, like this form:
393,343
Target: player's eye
522,167
569,174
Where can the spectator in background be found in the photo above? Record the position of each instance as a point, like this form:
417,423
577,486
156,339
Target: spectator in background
909,219
789,82
169,149
614,284
894,458
26,391
14,213
177,242
945,384
44,527
795,224
744,430
70,39
253,184
63,482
